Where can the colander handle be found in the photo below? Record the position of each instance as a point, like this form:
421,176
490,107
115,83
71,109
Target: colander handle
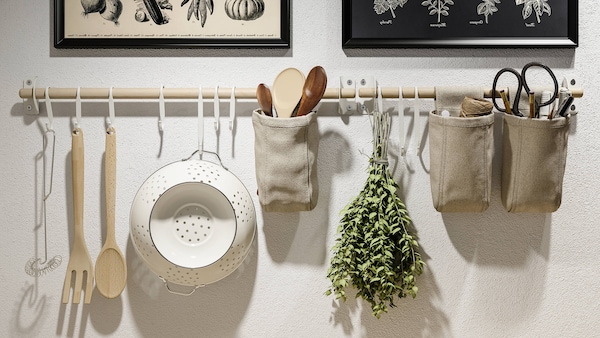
166,283
209,152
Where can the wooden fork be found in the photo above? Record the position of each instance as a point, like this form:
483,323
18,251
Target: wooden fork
80,262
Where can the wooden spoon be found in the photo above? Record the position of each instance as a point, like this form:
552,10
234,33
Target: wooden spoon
287,91
111,269
313,90
263,95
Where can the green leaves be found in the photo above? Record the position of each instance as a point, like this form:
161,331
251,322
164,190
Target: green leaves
375,253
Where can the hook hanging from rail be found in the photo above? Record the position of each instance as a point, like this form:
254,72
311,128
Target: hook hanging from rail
401,120
111,109
217,112
49,126
161,109
417,114
78,108
232,109
200,123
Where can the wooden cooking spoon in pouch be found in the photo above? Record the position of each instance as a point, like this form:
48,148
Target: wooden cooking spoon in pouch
287,91
263,95
313,90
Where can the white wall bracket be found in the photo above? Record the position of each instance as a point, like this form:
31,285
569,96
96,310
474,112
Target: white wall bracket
30,105
569,82
360,102
346,106
366,82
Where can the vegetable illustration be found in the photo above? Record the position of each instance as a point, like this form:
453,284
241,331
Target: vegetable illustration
538,6
487,8
382,6
376,252
92,6
439,7
154,12
200,9
140,15
245,10
165,4
112,11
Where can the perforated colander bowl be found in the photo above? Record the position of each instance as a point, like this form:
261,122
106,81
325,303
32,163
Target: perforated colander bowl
192,222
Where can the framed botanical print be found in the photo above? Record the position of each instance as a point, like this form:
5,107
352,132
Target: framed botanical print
168,24
459,23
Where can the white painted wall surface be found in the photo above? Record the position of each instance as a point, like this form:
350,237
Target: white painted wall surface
493,274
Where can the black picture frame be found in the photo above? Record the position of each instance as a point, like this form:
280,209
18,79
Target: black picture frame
501,24
114,35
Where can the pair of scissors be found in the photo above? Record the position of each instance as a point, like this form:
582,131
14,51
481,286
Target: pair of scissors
522,83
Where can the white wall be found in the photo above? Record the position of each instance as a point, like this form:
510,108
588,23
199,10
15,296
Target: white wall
493,274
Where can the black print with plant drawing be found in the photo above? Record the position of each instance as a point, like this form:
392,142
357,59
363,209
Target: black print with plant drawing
159,23
460,23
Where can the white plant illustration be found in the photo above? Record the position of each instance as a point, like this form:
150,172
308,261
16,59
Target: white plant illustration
382,6
538,6
439,7
487,8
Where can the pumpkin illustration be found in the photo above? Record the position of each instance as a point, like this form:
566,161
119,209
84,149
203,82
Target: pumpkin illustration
244,9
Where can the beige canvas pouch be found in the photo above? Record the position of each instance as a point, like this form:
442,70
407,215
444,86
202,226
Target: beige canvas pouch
285,154
461,151
534,156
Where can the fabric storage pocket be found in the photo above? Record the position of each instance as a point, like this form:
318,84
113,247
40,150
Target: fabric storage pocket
285,152
461,151
533,163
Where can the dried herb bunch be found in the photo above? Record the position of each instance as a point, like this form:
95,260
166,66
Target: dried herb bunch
376,252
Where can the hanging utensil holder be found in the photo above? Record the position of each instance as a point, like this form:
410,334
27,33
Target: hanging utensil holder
285,152
461,151
534,153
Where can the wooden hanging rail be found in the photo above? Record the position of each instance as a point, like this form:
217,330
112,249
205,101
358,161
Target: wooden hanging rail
225,93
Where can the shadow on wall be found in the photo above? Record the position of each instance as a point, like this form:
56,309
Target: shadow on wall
476,57
156,312
214,310
506,254
30,311
418,317
302,237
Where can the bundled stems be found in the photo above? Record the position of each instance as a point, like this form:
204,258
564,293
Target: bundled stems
381,125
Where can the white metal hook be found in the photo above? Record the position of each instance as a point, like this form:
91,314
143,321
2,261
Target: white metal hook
232,109
379,99
78,108
111,108
200,122
33,95
216,109
416,116
49,126
161,109
339,99
401,119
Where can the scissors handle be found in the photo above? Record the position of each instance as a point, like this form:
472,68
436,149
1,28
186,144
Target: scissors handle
515,107
550,72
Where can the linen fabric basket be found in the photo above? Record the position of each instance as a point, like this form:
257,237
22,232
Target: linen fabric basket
285,152
461,152
533,163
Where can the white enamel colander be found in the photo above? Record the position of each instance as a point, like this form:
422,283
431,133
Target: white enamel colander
192,222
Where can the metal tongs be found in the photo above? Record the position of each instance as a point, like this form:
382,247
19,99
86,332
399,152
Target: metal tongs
565,99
